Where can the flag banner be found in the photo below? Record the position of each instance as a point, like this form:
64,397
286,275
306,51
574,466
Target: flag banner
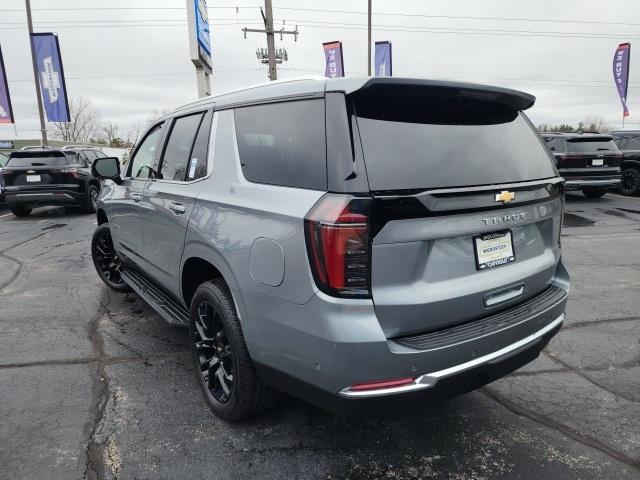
333,56
621,73
383,59
6,112
51,76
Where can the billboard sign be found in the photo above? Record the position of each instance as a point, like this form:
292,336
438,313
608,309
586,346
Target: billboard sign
621,73
51,76
383,59
334,64
6,112
199,33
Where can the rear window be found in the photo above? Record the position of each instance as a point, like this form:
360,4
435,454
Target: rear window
438,146
22,160
589,145
283,143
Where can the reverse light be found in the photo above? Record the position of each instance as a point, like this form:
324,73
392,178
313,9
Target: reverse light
337,234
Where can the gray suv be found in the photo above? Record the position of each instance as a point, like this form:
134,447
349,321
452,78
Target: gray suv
361,243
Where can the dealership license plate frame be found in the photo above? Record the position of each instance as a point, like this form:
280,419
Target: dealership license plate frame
484,261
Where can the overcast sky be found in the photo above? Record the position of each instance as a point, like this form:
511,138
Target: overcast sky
130,62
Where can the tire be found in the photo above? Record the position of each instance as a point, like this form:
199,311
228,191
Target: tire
20,211
593,192
106,260
220,356
630,182
90,203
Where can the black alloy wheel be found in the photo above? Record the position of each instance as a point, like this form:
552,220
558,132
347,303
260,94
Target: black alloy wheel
630,182
214,352
91,205
221,361
106,260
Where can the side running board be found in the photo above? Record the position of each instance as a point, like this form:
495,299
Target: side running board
168,308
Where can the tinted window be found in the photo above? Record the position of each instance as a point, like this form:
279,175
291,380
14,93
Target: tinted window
633,144
198,160
145,154
22,160
283,143
556,145
177,152
439,147
590,145
91,155
621,143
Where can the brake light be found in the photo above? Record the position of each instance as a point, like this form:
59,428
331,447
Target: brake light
71,171
337,234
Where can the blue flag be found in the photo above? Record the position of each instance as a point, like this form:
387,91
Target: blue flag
6,113
334,64
51,76
621,73
383,59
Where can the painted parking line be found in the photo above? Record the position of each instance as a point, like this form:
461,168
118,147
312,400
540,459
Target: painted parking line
5,215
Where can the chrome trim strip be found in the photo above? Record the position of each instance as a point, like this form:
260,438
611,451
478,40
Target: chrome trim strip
429,380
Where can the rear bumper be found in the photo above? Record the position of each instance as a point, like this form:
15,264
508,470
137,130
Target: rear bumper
318,350
607,182
41,198
456,381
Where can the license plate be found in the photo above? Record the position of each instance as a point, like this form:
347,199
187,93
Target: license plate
494,249
597,162
33,178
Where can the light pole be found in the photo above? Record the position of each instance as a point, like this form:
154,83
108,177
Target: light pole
43,128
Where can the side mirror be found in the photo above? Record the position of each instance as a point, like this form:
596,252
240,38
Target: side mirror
106,168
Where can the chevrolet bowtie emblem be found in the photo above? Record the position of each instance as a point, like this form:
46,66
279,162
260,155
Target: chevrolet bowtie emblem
505,196
31,171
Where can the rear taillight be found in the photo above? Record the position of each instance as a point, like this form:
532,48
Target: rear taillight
71,171
337,234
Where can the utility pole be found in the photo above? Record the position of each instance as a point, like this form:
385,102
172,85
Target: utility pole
271,44
369,41
43,128
273,57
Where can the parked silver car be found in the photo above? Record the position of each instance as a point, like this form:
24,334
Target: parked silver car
357,242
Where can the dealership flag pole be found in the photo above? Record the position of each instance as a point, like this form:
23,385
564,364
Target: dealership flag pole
43,129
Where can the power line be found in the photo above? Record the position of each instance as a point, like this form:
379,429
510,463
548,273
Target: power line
350,12
460,17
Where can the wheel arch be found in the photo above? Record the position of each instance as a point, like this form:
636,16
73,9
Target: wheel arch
631,164
101,215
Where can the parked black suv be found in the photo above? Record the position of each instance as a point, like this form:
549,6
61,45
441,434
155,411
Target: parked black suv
35,178
588,162
628,141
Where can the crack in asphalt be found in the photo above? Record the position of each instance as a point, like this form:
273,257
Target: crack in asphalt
94,467
3,254
588,323
568,367
107,360
570,432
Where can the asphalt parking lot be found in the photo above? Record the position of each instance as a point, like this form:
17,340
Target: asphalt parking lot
93,384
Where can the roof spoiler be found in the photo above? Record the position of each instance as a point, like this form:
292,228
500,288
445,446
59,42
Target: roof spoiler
416,88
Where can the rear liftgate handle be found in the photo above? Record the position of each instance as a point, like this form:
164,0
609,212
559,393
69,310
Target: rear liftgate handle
495,298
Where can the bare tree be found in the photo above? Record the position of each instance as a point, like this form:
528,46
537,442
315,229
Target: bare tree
83,125
133,134
112,132
154,116
596,124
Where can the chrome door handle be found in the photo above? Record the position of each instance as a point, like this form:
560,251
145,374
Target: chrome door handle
177,208
136,197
